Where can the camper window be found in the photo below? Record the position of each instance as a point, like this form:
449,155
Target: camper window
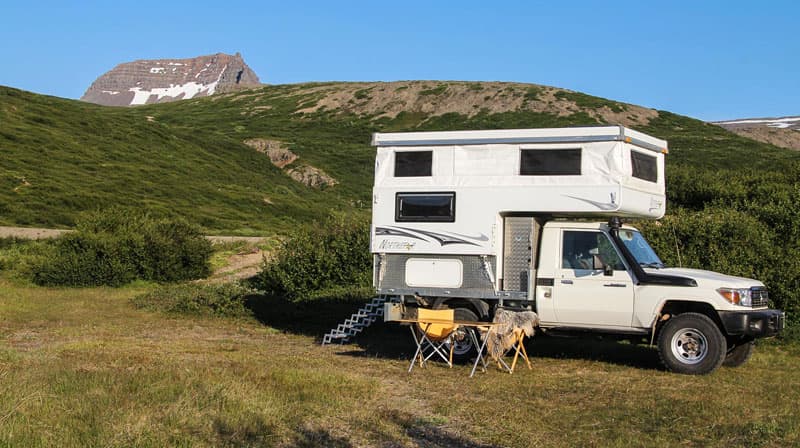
550,162
425,207
644,166
413,163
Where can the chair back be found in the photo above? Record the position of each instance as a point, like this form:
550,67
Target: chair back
436,331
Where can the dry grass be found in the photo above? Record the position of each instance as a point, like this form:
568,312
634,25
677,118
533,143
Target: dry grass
82,367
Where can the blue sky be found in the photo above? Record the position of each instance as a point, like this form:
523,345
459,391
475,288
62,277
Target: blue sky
710,60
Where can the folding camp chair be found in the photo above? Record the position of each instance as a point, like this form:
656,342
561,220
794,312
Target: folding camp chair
508,336
433,334
519,349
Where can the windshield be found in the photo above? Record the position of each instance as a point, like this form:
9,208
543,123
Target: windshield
638,247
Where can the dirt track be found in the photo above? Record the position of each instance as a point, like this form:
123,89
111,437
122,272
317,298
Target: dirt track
34,233
30,233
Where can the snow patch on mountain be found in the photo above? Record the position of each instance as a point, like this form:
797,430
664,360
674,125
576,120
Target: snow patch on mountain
153,81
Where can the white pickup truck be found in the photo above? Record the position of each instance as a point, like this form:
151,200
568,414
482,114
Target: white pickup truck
481,220
606,278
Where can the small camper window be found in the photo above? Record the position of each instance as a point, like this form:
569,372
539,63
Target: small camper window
413,163
550,162
644,167
425,207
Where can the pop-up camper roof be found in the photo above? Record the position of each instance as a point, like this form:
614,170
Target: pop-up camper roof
463,182
521,136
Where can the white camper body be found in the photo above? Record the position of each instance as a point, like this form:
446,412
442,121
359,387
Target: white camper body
454,213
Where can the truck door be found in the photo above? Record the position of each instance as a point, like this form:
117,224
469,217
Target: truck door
582,293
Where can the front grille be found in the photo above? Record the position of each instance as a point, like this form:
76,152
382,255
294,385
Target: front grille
760,296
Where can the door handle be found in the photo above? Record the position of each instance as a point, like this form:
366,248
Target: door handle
566,282
615,285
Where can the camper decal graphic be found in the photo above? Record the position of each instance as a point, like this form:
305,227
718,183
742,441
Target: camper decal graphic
441,238
386,231
600,205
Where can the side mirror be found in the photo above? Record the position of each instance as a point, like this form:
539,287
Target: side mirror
608,270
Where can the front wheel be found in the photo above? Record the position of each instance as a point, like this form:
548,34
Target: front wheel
692,344
739,354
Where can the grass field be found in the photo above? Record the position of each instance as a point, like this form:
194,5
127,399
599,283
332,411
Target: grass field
83,367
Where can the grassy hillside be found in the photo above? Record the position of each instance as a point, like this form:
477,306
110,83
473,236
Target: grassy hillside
61,157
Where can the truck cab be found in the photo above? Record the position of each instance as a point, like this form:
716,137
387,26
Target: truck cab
604,277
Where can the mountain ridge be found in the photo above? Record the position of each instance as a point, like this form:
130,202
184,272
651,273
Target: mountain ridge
779,131
149,81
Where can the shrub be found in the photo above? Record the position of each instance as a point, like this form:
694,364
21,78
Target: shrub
17,253
115,246
86,259
224,300
330,255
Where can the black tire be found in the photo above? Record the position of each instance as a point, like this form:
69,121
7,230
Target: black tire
692,344
739,354
464,349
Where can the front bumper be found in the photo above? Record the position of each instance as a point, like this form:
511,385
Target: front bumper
759,324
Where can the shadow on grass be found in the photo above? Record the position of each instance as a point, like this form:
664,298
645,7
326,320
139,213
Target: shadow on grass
306,317
423,432
392,341
594,348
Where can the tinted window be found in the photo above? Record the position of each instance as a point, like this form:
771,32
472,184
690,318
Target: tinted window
425,207
589,250
550,162
644,166
413,163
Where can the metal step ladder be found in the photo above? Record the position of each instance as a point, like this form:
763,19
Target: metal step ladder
357,322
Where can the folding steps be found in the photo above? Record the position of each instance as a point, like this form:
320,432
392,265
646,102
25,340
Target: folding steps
357,322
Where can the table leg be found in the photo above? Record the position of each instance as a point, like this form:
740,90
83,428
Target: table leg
419,348
481,348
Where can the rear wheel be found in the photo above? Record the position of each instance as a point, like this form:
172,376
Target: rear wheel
691,343
464,348
739,354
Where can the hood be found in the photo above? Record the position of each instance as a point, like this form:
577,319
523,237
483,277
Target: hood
708,279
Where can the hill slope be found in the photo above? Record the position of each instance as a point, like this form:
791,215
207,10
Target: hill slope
61,157
783,132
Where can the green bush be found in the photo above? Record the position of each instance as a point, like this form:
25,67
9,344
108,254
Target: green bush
332,254
86,259
224,300
16,253
115,246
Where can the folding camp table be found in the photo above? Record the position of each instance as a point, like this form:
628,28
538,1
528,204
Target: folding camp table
472,328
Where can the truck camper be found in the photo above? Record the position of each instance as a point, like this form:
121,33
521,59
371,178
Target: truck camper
531,219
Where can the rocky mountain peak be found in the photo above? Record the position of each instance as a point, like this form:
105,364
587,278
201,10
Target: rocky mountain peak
151,81
781,131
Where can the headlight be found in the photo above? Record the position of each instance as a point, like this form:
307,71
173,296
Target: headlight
737,296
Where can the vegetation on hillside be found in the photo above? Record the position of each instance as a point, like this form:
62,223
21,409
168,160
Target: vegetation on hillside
62,157
116,246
